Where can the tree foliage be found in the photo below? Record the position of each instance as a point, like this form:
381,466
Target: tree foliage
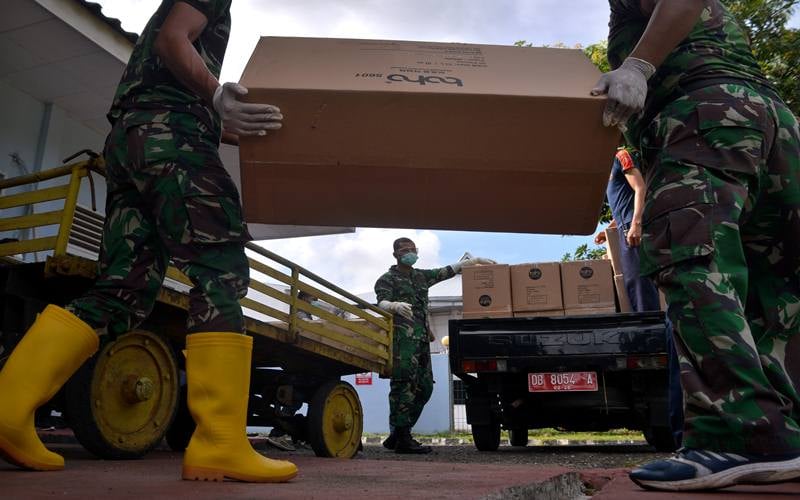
775,46
583,252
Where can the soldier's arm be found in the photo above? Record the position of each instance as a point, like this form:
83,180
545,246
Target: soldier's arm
173,45
383,290
671,21
433,276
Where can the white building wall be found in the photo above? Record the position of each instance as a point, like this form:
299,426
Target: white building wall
33,138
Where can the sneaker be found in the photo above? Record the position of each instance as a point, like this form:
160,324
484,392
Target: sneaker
692,469
281,442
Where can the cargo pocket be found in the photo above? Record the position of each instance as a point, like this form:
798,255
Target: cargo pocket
213,208
731,136
677,236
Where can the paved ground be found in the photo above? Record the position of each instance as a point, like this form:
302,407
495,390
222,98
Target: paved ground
375,474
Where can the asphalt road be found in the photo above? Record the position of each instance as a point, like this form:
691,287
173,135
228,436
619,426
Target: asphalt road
452,472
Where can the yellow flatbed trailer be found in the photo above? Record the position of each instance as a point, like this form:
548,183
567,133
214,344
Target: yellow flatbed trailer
131,394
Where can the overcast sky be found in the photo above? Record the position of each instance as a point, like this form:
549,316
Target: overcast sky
354,261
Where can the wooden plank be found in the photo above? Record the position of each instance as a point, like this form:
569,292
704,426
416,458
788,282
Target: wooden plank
31,197
27,246
320,329
28,221
379,337
264,309
272,273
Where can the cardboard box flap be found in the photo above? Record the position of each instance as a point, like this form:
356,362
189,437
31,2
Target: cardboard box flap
407,66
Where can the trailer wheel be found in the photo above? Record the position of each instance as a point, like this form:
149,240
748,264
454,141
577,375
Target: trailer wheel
518,436
123,399
486,436
335,420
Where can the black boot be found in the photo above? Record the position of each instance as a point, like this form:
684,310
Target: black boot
407,445
390,442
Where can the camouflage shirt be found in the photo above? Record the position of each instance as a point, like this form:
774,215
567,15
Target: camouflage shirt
148,89
396,286
716,50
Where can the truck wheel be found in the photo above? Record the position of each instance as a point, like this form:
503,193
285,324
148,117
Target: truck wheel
486,436
123,399
335,420
518,436
660,438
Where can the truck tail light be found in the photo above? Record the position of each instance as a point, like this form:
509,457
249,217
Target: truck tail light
647,362
481,365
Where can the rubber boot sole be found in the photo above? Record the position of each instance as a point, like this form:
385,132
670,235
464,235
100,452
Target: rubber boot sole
192,473
15,457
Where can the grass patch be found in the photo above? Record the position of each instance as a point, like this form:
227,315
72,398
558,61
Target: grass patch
547,435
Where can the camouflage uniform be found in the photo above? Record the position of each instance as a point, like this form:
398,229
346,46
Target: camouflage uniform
412,378
721,235
168,194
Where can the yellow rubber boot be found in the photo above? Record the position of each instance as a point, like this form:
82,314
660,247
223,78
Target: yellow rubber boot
55,346
218,378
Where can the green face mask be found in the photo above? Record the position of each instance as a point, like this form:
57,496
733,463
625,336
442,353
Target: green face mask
409,259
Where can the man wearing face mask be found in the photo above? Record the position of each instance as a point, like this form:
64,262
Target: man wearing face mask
403,291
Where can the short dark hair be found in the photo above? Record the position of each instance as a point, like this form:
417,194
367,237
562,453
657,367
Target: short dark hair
400,241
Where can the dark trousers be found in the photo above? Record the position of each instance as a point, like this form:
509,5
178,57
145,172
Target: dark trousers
644,297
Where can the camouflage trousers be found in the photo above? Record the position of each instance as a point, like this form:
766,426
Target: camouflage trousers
169,197
411,385
722,240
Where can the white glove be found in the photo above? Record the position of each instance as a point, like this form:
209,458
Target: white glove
242,118
475,261
626,87
401,308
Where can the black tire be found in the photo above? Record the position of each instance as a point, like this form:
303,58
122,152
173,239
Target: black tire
182,428
88,424
518,436
486,436
660,438
328,431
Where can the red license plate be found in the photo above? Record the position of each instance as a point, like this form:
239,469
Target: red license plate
562,382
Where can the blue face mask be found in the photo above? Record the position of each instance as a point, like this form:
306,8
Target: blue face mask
409,258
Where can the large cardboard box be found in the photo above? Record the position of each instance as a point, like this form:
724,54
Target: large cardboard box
536,287
587,311
426,135
613,249
539,314
486,291
587,284
622,294
488,314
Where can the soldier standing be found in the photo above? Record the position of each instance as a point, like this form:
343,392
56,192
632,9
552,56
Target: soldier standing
403,291
168,197
721,235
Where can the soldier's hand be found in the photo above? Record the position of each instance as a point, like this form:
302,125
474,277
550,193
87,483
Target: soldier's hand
626,88
402,308
474,261
242,118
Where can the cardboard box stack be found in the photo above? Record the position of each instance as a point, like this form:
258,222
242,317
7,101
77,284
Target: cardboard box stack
587,287
536,290
371,125
486,291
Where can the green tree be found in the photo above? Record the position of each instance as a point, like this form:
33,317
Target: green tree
583,252
775,46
